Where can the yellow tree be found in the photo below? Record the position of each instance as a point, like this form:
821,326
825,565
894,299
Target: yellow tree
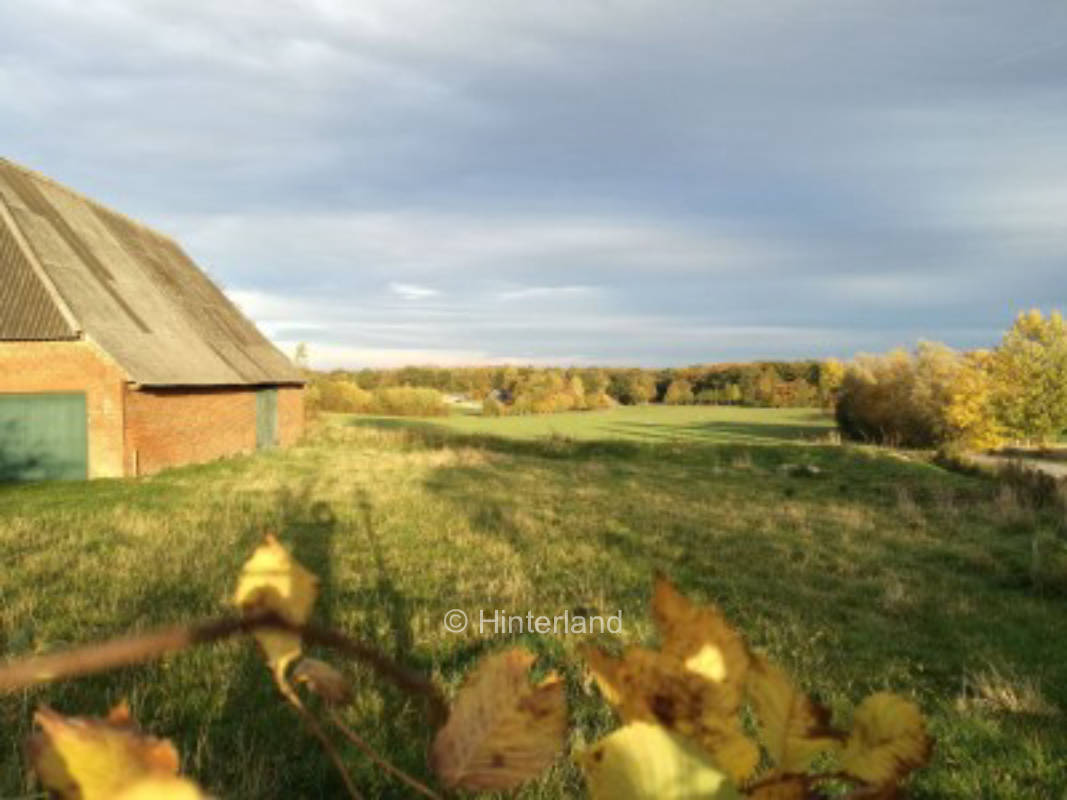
679,393
1030,377
971,415
831,375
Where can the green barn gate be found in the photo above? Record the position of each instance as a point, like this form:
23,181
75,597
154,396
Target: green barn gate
266,418
43,437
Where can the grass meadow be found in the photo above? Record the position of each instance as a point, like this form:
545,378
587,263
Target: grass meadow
879,572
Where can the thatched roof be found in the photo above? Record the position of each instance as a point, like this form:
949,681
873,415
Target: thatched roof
70,267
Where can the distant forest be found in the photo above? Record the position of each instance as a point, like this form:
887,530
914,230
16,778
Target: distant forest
519,389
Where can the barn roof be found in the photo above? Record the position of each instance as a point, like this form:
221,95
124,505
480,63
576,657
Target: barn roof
70,266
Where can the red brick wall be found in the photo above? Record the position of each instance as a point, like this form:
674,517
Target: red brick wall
290,414
141,431
170,427
32,367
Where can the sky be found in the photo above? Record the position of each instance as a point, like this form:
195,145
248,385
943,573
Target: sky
613,182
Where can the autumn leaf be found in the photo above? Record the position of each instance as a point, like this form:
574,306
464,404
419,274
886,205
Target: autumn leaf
324,680
649,686
887,741
702,639
502,730
607,674
162,789
643,761
693,685
792,787
99,759
792,728
271,580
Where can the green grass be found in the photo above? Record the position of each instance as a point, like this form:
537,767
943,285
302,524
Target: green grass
879,573
651,423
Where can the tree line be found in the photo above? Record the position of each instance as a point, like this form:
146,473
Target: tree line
932,396
515,389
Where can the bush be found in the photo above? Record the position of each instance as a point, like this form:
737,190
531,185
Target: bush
407,401
491,407
903,399
342,396
599,400
547,392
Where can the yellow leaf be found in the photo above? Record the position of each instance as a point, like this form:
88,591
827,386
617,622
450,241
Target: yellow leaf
642,761
324,680
96,759
272,580
731,748
702,639
792,727
788,788
649,686
502,730
887,741
162,789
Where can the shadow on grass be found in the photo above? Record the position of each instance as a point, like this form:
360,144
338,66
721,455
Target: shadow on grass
720,431
764,452
253,711
646,509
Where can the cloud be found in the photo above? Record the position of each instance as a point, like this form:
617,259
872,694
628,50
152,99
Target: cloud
546,293
603,181
410,291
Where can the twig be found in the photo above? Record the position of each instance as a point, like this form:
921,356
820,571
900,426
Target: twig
119,652
402,677
142,648
362,744
324,740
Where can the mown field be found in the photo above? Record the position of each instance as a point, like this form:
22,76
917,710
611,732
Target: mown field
877,573
648,423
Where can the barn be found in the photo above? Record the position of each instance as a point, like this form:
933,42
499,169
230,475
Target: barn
118,355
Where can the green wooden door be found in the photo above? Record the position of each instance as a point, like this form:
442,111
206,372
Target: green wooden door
266,418
43,437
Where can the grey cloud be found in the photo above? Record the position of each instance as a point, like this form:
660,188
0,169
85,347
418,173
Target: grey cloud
727,179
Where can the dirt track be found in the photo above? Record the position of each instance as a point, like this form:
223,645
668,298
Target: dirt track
1055,468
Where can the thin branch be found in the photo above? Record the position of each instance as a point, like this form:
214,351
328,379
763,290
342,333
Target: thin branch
362,744
324,740
401,677
119,652
142,648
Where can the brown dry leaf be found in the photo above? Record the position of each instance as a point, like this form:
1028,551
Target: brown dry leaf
502,730
788,788
702,639
272,580
324,680
97,759
649,686
607,674
792,727
887,741
643,761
